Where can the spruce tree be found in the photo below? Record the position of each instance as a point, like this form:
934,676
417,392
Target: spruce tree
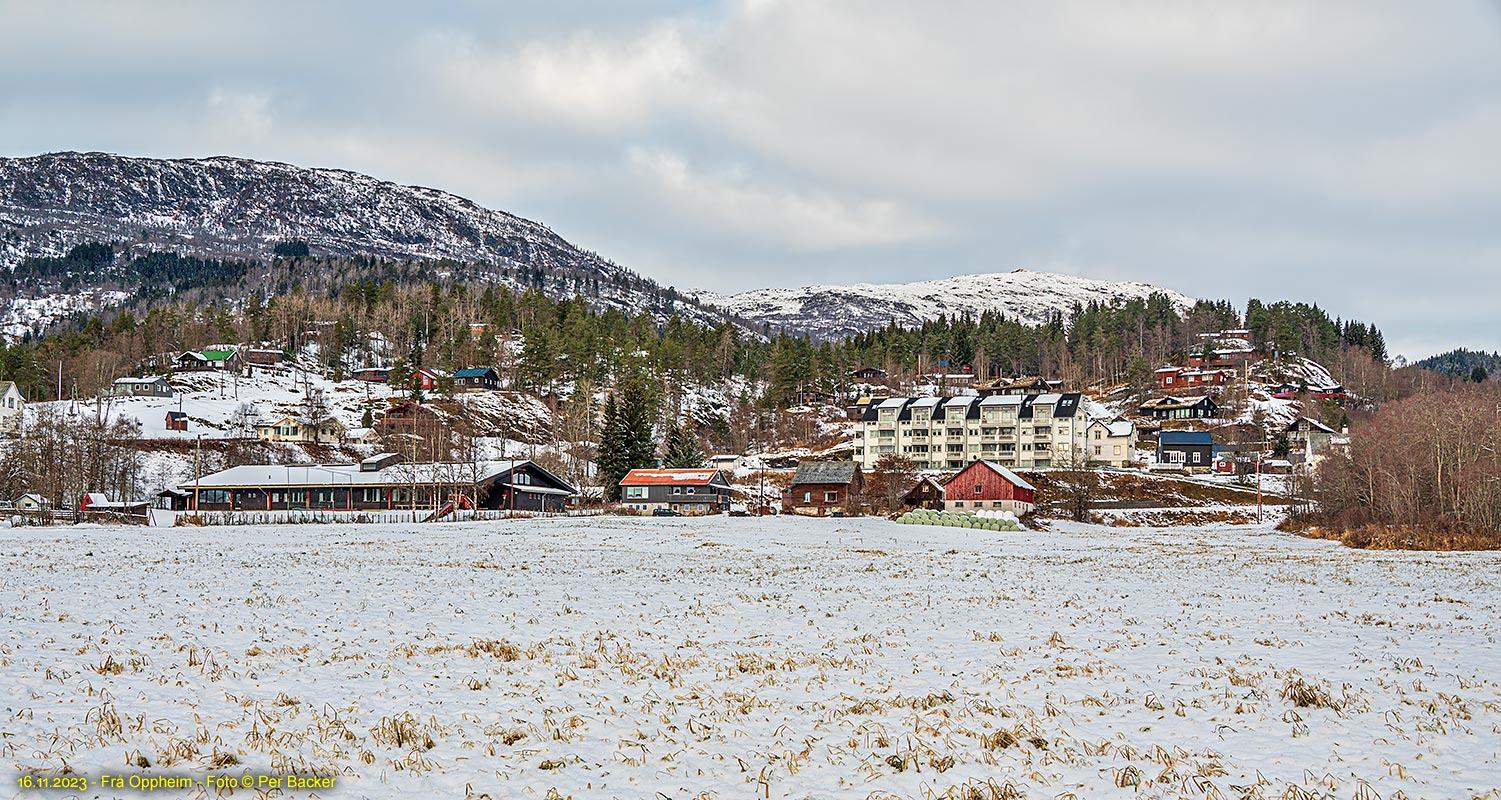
613,458
638,411
682,451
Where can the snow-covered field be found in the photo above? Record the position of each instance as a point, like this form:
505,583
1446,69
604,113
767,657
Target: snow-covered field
725,657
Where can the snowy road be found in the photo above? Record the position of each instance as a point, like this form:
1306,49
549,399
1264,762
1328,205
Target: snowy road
737,658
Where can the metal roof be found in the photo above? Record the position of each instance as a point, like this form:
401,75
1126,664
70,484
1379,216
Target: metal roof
1185,437
1012,477
670,477
825,472
278,475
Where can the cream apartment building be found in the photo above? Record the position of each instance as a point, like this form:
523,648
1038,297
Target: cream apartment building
1035,431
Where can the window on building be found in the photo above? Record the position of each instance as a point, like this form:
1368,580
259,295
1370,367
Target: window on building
807,497
979,488
958,504
1117,449
1099,450
831,497
635,492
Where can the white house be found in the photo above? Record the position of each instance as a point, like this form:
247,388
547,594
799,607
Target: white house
32,502
327,430
1111,443
12,406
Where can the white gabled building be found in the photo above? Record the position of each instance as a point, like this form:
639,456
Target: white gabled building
1110,442
12,407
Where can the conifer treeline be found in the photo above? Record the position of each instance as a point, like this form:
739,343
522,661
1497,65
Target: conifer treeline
459,322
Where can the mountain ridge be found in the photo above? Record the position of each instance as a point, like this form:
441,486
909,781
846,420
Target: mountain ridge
230,207
829,311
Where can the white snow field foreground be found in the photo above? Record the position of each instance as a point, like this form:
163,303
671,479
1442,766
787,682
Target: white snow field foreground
740,658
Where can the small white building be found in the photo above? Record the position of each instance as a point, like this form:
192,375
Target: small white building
726,462
361,436
32,501
1110,443
12,406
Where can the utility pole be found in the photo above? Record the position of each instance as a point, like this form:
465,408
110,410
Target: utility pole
1258,488
197,456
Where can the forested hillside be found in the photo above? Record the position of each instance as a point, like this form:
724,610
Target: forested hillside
449,315
1477,365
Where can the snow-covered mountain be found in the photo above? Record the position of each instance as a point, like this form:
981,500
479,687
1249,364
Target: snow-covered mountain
239,208
834,311
226,207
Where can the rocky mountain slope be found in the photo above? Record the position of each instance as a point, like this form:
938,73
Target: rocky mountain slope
833,311
242,209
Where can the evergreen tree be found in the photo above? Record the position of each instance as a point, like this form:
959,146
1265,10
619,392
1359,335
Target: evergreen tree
682,450
626,441
638,411
1282,448
613,459
1479,375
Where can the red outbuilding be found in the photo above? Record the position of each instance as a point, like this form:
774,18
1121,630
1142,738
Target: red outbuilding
988,485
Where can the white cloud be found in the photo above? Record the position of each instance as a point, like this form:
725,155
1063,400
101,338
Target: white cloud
240,114
730,200
585,79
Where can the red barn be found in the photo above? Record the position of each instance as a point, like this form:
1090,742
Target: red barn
987,485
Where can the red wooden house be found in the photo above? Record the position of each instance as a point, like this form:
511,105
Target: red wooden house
1178,377
427,379
988,485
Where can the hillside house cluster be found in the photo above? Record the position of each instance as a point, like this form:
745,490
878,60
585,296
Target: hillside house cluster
1309,442
430,379
1032,431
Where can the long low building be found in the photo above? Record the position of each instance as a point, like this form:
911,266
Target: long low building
378,483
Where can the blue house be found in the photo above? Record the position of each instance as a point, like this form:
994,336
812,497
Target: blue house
1188,449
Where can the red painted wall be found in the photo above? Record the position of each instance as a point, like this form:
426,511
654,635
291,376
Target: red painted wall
992,486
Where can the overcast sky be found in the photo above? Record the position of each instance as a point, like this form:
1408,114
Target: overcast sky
1339,153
